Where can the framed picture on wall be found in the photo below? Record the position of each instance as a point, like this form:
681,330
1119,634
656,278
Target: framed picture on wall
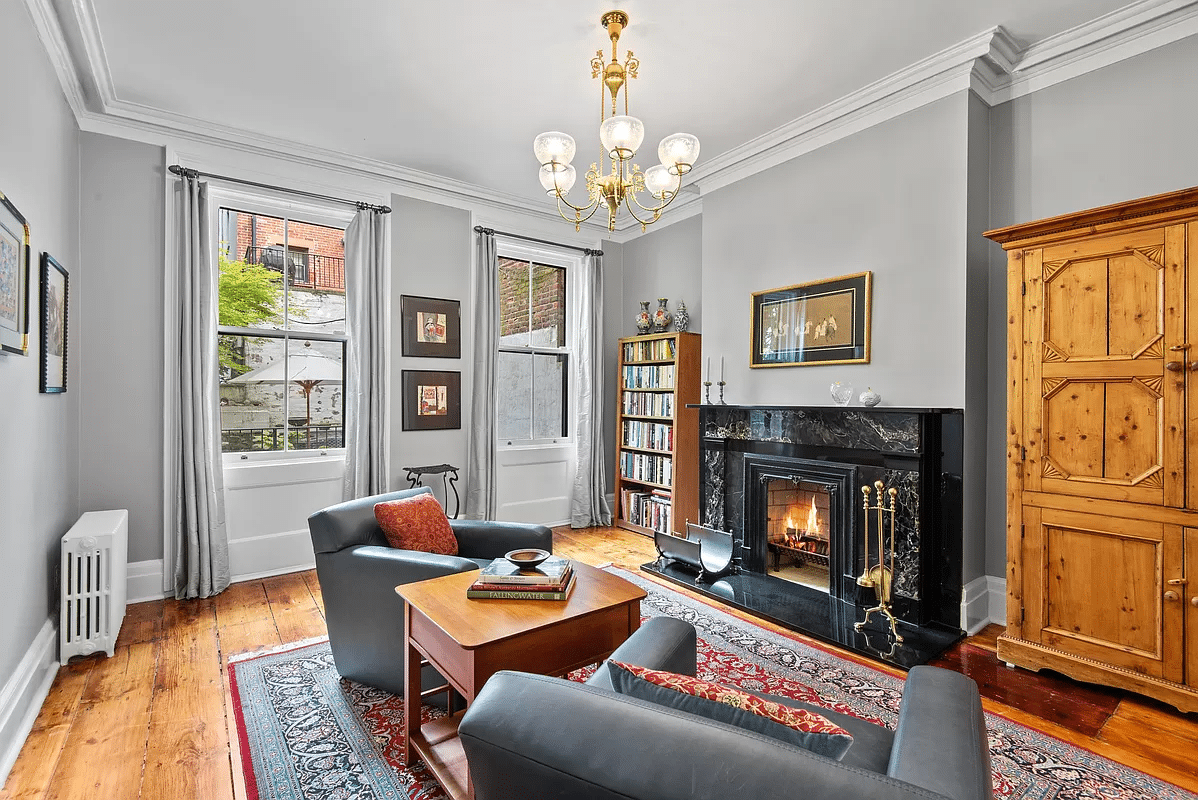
807,324
54,326
432,328
432,400
14,279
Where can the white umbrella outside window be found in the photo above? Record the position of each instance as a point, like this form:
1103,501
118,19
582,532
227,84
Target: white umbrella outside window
306,369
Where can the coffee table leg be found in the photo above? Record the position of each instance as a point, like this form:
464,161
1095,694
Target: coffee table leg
411,700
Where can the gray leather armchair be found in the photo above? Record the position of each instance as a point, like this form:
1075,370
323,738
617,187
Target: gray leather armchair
358,572
530,736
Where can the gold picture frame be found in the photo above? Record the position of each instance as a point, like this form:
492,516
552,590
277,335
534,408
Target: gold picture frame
14,279
812,324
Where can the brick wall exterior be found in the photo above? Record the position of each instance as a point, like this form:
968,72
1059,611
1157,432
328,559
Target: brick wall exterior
548,299
326,270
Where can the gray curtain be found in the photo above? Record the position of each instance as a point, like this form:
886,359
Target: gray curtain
201,543
482,434
588,504
367,464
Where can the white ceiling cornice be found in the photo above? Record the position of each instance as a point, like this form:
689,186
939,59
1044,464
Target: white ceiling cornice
990,63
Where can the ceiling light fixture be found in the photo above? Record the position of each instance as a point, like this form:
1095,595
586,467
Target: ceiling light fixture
620,135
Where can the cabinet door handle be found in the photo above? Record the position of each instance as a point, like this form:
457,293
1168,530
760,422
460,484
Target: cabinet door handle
1177,348
1194,601
1194,366
1172,595
1177,581
1175,366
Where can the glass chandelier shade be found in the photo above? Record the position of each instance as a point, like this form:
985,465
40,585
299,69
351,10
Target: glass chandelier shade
621,136
679,152
613,182
554,147
557,179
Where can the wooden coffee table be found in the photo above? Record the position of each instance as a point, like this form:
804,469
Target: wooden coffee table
468,641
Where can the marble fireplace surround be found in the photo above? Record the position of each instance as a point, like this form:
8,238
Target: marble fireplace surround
916,450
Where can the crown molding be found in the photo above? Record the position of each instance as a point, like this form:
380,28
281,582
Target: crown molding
992,64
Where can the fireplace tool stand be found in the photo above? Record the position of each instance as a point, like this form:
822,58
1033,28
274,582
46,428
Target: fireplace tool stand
879,575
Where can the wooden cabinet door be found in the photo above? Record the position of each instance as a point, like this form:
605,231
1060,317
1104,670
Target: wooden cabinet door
1189,599
1098,589
1104,415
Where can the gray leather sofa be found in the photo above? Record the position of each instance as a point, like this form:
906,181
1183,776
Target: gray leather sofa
358,572
530,736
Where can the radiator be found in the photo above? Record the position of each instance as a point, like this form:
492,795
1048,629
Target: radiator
94,555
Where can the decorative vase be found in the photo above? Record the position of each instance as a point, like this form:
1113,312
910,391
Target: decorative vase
661,317
842,393
681,317
869,398
643,321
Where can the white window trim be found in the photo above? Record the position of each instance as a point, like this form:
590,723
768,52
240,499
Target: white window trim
552,257
332,216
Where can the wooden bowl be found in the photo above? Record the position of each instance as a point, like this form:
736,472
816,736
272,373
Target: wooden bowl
528,558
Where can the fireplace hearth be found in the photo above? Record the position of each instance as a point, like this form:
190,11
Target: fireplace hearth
786,483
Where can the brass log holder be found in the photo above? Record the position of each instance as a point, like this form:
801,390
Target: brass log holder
879,575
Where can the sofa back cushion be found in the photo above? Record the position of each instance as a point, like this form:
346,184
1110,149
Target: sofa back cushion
704,698
416,523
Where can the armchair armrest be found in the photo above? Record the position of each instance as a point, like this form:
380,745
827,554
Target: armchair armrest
490,539
942,714
391,566
661,643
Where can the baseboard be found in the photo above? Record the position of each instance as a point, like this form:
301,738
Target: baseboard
998,599
23,694
144,581
983,601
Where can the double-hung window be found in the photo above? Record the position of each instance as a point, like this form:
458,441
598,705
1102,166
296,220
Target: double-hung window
533,378
281,332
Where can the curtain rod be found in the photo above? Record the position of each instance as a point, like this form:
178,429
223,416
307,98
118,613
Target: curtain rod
187,172
493,232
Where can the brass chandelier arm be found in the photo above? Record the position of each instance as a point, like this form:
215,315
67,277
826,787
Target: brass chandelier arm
656,210
578,219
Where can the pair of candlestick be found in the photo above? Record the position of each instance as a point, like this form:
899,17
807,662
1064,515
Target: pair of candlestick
707,383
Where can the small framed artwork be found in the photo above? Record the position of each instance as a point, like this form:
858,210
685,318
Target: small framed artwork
14,279
432,328
431,400
54,325
821,322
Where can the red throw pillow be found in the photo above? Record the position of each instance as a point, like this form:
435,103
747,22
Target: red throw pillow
796,726
416,523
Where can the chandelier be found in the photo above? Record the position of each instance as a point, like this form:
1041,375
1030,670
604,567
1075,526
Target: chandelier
619,135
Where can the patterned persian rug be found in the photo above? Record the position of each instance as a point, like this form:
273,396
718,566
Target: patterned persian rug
305,733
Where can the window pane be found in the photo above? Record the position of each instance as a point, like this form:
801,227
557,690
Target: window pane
251,400
513,303
514,390
548,396
315,258
548,306
251,259
315,410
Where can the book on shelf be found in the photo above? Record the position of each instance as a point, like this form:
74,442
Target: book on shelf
551,570
523,592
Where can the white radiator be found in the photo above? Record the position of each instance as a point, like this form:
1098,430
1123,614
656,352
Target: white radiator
94,555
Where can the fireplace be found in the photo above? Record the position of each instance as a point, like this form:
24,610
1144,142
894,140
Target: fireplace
785,483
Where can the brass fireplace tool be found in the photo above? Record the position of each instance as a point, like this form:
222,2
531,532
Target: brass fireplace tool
879,575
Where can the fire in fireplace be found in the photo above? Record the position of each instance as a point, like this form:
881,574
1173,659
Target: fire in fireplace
797,525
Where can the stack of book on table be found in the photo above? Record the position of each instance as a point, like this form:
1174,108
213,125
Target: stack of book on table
503,580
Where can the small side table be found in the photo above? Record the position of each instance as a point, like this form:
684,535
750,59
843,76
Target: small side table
449,477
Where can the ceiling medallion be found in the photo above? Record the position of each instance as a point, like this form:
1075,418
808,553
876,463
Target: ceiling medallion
619,135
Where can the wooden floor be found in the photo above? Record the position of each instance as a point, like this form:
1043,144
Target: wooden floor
154,720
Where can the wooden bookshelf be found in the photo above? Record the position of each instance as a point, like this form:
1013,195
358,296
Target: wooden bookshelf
657,436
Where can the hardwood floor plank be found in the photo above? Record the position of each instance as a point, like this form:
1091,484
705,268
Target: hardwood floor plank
294,608
189,747
244,619
31,774
1173,742
142,623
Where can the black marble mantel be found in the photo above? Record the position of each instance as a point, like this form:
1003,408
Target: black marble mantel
918,450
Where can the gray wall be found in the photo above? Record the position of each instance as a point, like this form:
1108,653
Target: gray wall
666,262
39,492
431,255
121,336
1119,133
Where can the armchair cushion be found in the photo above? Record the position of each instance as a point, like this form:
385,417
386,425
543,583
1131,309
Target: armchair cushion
416,523
797,726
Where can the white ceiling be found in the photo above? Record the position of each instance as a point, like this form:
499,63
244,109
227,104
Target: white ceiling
459,88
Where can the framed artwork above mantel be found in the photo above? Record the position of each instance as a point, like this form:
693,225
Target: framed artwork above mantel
808,324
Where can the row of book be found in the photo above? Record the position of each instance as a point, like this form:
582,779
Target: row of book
501,580
647,509
653,350
644,377
645,467
649,435
649,404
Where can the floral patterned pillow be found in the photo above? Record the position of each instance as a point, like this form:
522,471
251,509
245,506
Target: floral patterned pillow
795,726
416,523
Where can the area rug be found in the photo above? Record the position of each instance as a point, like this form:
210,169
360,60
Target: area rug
305,733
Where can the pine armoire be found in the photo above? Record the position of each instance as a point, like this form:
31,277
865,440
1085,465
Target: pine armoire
1102,455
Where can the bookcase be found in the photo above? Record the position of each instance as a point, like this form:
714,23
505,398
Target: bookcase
657,436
